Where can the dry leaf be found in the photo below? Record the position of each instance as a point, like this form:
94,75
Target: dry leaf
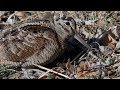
82,75
83,66
101,23
1,62
112,45
118,19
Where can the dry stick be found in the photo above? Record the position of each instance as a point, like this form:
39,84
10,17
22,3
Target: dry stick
78,55
78,37
44,74
80,59
50,70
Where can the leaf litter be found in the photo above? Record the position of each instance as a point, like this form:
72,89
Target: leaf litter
97,31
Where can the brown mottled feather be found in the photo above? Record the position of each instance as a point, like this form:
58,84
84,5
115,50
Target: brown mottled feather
34,42
40,36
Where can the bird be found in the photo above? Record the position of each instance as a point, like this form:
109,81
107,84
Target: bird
35,41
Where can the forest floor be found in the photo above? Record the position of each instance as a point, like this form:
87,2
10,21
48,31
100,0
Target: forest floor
100,30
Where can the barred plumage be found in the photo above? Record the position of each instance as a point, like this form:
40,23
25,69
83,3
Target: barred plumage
34,42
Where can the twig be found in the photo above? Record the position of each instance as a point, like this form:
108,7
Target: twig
43,74
78,37
81,53
116,78
81,58
50,70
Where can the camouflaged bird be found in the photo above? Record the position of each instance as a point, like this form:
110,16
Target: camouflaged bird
36,41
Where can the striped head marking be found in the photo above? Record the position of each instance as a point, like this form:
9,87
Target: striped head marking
65,26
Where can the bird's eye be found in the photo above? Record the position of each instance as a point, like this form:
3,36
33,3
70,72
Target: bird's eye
67,23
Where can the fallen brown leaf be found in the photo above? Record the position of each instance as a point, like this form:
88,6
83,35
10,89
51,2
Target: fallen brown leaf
82,75
83,66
